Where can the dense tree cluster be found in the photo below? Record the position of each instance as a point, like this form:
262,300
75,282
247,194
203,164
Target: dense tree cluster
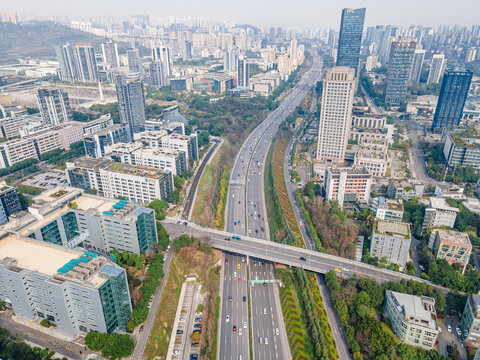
337,235
13,347
358,301
112,346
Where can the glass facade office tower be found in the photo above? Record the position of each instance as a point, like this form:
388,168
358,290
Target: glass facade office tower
399,68
131,101
453,94
350,39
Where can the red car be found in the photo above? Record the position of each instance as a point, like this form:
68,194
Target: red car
239,279
234,329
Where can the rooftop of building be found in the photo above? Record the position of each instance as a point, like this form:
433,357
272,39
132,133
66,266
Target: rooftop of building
109,129
150,134
390,204
57,262
464,137
362,113
126,147
136,170
351,170
454,237
378,155
392,228
418,310
439,203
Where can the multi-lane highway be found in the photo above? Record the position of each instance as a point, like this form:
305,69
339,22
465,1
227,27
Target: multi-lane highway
290,255
246,214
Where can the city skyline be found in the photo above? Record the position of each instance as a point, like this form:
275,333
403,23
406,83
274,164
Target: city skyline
321,14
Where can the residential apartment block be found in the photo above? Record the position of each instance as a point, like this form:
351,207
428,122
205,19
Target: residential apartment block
450,245
413,318
387,209
390,240
97,143
404,189
347,185
439,213
112,179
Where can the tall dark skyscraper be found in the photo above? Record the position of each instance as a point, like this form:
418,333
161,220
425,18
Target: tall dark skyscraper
350,38
399,68
131,101
453,94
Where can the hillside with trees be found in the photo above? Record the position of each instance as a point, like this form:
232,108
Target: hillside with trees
38,39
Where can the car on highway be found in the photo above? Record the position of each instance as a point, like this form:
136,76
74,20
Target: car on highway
182,320
176,352
244,298
277,332
303,258
198,319
264,283
239,331
234,329
234,274
193,356
230,298
198,313
345,269
264,311
244,324
228,239
179,331
266,341
227,318
238,266
240,357
260,340
198,326
239,279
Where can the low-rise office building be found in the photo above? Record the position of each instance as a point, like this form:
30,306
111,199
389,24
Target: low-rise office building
413,318
461,146
376,162
470,322
97,144
387,209
450,245
390,241
362,119
404,189
112,179
162,139
96,125
158,158
78,291
67,217
449,191
347,185
439,213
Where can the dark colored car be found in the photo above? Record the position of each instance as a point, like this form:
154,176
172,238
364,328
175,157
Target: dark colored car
244,298
198,326
179,331
234,329
303,258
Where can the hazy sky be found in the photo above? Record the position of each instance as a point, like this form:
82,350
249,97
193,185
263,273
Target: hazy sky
306,13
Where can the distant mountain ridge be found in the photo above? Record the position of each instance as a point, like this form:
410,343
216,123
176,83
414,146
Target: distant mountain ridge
38,39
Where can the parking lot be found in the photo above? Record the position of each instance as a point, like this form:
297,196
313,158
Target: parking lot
449,336
47,180
184,343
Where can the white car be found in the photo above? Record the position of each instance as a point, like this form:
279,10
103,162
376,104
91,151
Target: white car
265,311
239,331
176,352
227,318
266,341
244,324
344,269
449,328
459,333
182,320
277,332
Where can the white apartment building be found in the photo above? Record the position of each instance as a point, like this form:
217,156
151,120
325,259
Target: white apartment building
439,213
161,139
15,151
413,318
112,179
347,185
390,240
159,158
376,162
69,134
96,125
437,68
335,114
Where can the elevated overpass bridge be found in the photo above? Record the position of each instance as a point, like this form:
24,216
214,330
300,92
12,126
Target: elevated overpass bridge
289,255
